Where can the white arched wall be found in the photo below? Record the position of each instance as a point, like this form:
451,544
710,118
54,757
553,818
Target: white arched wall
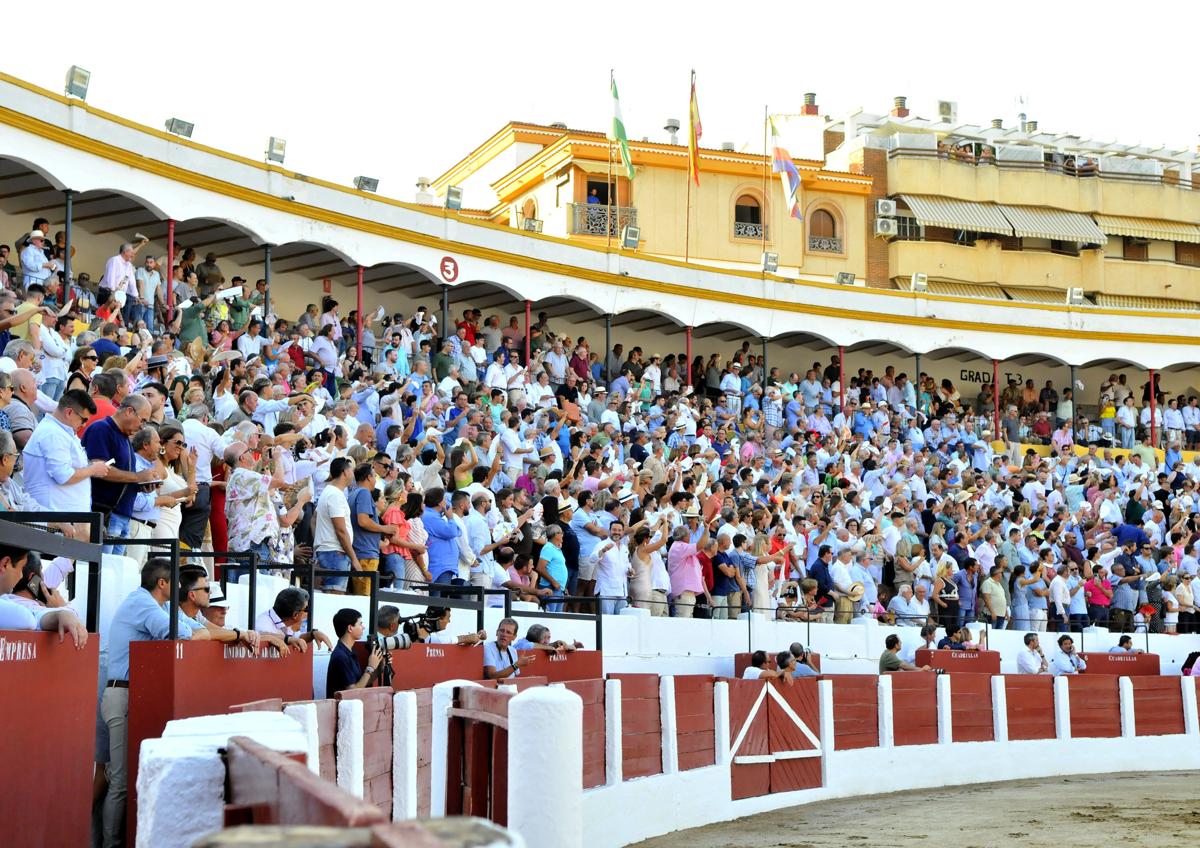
88,150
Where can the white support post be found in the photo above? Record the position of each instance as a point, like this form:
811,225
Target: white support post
350,747
944,708
887,736
442,698
614,762
999,709
306,714
825,713
1190,725
404,756
721,723
1062,708
545,738
670,738
1128,715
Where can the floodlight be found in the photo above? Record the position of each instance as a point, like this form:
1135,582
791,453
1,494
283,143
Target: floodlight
77,82
366,184
844,278
178,126
919,283
770,262
631,237
454,198
532,225
276,148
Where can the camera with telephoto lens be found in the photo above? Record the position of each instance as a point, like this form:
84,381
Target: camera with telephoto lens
387,644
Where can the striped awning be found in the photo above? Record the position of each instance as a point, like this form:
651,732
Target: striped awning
953,289
1131,301
1148,228
1055,297
957,214
1054,224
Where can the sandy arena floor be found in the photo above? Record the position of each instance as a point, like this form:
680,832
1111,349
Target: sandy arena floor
1065,812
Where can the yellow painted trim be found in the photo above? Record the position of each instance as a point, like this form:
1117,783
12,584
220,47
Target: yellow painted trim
172,172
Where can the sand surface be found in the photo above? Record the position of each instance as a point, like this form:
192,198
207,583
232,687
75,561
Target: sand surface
1064,812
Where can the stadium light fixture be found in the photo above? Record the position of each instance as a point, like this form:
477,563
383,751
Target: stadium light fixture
631,237
454,198
770,262
919,283
532,225
178,126
366,184
276,148
844,278
78,80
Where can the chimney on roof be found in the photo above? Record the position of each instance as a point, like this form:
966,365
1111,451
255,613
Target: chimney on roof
727,146
672,128
423,193
558,125
899,107
997,123
810,104
1031,127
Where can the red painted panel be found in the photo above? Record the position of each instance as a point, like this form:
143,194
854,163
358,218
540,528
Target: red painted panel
424,748
377,744
971,707
306,799
169,680
265,705
694,720
641,737
1030,706
592,693
855,710
1122,665
252,777
914,708
1158,705
48,694
749,780
637,685
577,665
1095,706
975,662
423,665
326,735
789,774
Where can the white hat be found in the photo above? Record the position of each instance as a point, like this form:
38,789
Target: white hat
216,598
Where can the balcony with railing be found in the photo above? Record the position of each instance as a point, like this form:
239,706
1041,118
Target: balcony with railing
748,230
825,244
593,219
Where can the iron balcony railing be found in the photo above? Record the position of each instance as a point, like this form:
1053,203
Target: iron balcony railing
592,219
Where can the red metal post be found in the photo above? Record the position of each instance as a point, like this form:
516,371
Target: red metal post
995,398
842,379
359,323
1153,408
170,270
528,312
688,331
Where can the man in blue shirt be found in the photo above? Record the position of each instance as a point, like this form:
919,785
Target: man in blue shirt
365,526
442,547
344,672
108,440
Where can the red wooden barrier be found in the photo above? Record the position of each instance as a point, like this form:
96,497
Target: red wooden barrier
424,749
981,662
855,710
326,735
694,723
576,665
377,745
48,696
748,738
1157,705
267,787
1095,706
265,705
1122,665
592,693
971,707
794,735
423,666
169,680
1030,706
641,736
914,708
742,661
477,755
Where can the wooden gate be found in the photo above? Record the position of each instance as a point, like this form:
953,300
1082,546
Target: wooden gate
477,754
775,737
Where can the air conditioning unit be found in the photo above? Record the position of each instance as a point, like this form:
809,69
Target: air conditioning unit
885,208
886,227
1075,297
947,111
919,283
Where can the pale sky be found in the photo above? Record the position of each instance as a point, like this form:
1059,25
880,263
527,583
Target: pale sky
400,90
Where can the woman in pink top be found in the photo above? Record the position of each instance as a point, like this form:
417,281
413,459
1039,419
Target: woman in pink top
683,564
1099,595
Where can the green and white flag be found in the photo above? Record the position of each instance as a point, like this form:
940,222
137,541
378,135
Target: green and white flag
617,132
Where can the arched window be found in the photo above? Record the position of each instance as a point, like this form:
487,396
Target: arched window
823,225
747,210
529,209
823,232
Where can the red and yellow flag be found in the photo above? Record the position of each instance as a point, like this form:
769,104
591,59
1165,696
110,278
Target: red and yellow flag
695,130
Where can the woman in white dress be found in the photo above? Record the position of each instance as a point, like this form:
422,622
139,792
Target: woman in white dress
179,462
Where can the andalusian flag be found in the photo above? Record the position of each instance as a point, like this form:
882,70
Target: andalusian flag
694,133
789,177
617,132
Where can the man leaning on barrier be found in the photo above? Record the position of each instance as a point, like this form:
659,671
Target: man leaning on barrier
286,619
25,602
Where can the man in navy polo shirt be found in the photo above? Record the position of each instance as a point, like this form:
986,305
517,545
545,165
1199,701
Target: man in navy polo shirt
108,440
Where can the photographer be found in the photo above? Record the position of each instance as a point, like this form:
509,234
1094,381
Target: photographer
430,628
344,671
500,659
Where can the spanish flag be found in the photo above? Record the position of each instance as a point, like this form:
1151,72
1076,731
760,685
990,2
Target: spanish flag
694,133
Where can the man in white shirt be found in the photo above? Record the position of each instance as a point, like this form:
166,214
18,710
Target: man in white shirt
57,472
251,342
58,346
1031,660
1066,661
613,566
333,541
1060,599
207,443
148,283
